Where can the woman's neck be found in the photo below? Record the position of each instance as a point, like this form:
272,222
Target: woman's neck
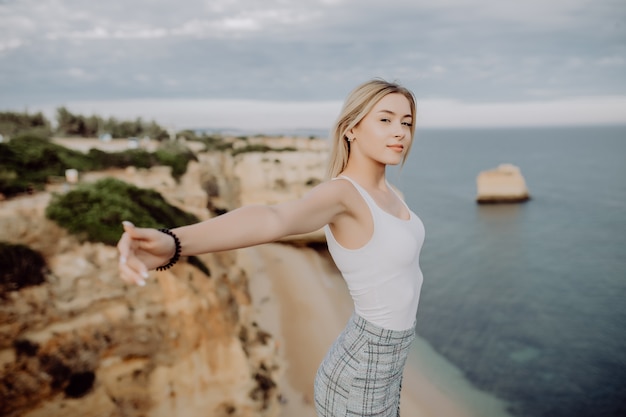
370,176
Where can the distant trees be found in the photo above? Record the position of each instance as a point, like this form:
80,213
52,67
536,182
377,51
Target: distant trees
73,125
76,125
70,124
13,123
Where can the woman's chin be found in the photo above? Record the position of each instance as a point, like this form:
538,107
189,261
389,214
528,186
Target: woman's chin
393,162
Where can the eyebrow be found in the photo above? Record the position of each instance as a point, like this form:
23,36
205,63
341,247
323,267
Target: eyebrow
393,114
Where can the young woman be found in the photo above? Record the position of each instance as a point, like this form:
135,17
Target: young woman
372,235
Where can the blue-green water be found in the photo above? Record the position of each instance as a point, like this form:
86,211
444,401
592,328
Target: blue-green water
529,300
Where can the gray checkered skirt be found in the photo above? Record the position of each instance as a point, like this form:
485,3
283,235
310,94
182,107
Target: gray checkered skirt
361,374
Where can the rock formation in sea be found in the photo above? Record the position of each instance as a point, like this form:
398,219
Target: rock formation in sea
84,343
504,184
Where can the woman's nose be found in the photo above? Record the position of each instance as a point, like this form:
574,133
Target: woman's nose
399,130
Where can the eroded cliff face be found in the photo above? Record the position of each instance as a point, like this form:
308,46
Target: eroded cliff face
84,343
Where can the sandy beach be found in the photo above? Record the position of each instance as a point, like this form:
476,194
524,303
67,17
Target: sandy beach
300,297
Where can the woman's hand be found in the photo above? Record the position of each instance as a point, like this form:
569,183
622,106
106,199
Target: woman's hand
142,250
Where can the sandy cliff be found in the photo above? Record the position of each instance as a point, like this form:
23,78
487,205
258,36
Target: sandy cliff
186,344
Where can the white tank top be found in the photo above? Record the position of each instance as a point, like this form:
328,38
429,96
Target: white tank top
383,276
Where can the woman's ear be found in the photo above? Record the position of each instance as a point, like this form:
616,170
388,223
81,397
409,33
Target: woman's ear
350,134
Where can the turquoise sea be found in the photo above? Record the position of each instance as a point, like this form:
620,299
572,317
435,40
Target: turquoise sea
528,301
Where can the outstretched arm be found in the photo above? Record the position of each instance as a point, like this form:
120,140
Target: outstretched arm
144,249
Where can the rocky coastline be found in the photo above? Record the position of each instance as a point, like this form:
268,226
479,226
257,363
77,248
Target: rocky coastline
222,341
83,343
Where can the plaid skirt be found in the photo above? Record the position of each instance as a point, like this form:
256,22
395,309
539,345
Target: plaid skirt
361,374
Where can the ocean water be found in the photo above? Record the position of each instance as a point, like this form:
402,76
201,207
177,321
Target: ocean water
528,300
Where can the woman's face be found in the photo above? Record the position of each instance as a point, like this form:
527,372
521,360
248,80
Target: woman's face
384,134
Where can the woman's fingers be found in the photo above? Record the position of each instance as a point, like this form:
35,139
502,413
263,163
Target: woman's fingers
125,244
123,247
133,271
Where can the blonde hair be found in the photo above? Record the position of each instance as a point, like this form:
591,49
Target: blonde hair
357,105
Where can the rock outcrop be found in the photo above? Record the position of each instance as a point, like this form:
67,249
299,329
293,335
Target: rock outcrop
275,177
83,343
504,184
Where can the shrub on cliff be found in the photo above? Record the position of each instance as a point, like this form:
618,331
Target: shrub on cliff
139,158
212,142
26,163
95,211
171,154
176,156
20,266
261,148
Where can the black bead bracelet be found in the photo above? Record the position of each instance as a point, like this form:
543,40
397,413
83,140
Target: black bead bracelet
176,256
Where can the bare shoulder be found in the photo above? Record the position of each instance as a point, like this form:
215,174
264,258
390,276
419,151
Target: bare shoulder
339,190
343,193
337,193
322,205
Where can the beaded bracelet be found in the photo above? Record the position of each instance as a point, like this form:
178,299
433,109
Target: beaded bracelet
176,256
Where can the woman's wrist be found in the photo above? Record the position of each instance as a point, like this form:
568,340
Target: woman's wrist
177,249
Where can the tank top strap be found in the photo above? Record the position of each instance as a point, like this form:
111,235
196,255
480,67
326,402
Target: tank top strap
366,196
400,197
374,207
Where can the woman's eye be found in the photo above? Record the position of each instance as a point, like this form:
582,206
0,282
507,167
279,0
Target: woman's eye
385,120
408,124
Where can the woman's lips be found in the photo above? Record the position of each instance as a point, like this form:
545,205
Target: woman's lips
397,148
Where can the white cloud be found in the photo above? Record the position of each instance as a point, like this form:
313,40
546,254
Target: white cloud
8,44
239,23
465,50
193,27
92,33
539,13
611,61
234,20
77,72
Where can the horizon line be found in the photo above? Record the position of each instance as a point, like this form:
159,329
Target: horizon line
280,115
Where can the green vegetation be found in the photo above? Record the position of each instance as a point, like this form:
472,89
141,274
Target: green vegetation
70,124
28,162
139,158
20,267
211,142
175,155
261,148
96,211
75,125
12,123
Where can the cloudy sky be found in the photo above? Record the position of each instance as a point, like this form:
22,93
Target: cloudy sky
266,64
